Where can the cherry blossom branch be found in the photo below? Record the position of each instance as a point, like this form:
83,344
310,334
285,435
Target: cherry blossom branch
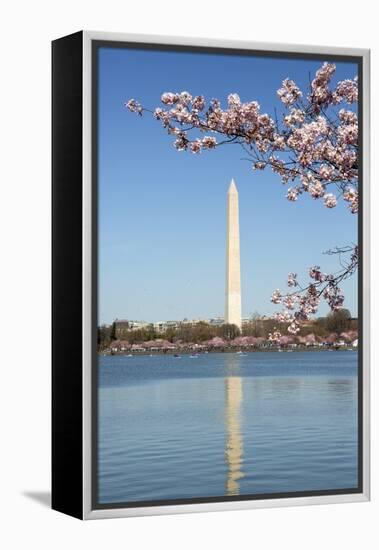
312,146
304,301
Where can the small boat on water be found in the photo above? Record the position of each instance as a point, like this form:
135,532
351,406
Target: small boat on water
194,356
176,355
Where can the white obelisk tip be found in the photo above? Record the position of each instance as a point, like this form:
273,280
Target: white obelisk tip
232,187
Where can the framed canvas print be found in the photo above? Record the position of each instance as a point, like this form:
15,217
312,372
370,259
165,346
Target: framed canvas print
210,275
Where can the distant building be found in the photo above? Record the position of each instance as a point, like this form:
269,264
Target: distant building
172,324
138,325
123,326
216,321
164,326
159,327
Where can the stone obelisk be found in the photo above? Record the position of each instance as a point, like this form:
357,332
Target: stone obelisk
233,267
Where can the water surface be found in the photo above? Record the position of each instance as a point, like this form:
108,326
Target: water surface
225,424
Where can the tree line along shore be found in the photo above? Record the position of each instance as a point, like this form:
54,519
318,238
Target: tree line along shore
336,331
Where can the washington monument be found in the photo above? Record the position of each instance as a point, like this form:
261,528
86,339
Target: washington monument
233,267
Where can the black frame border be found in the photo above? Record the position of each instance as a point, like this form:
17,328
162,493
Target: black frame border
95,47
67,270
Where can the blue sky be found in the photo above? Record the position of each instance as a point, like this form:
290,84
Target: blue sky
162,213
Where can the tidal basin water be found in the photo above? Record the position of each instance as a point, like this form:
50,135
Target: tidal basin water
226,424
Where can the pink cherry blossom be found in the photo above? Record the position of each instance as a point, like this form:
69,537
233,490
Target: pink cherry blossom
351,196
320,93
347,117
134,106
276,297
169,98
326,172
289,93
209,142
198,103
274,337
330,200
292,194
292,279
316,190
196,146
296,116
347,90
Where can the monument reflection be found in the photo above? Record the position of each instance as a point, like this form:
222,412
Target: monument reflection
233,433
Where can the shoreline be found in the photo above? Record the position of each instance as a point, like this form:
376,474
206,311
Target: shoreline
237,351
